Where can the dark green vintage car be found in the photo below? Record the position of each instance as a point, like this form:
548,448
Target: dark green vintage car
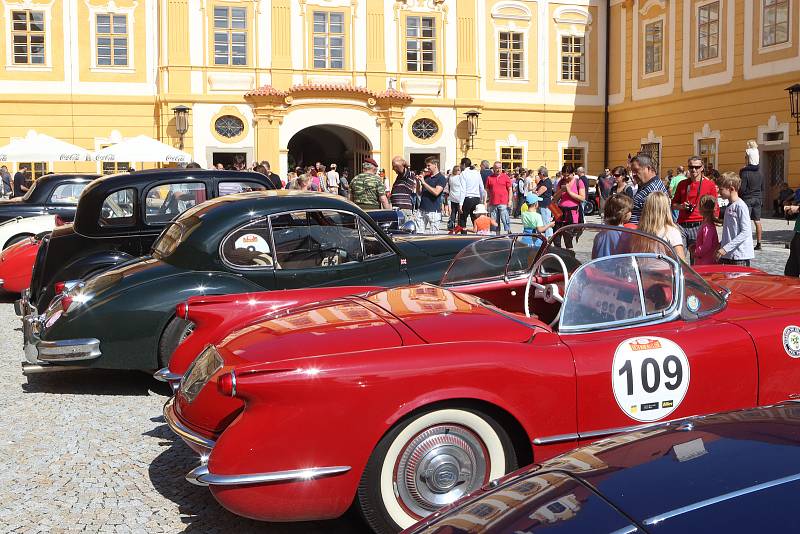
124,318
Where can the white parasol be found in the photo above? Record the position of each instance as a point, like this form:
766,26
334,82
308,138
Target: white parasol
142,149
40,147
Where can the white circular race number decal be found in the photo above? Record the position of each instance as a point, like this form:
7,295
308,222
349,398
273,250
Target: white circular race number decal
650,377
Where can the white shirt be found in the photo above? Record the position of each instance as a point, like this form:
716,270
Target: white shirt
333,179
456,189
471,185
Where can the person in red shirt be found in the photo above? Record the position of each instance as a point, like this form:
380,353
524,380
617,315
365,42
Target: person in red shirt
498,196
687,200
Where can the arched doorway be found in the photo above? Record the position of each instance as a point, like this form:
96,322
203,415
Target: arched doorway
328,144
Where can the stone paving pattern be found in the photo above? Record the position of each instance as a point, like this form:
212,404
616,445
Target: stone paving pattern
90,452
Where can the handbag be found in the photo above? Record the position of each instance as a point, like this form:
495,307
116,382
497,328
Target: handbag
556,212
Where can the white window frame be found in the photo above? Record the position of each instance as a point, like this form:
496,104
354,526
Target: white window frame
586,71
328,35
704,134
48,40
573,142
512,141
247,31
112,9
721,32
420,39
663,20
524,65
762,48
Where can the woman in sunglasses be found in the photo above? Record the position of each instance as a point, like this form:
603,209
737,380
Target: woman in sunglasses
621,185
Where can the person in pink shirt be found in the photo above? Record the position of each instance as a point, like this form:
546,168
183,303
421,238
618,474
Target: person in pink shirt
498,196
707,243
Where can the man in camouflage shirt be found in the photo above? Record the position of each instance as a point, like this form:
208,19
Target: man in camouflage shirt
367,189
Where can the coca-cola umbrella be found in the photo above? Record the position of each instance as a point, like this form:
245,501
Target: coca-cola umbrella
142,149
40,147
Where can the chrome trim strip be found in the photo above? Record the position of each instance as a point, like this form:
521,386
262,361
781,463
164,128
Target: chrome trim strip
201,476
34,369
556,439
720,498
233,380
2,282
69,350
181,430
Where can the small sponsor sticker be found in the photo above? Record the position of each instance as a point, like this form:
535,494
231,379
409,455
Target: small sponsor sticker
693,303
791,341
666,404
649,406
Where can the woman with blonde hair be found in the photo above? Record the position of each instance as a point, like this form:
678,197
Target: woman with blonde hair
656,219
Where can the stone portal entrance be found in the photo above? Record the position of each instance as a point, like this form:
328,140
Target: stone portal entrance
329,143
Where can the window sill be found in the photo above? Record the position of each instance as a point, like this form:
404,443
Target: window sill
113,70
768,49
699,64
512,80
30,68
572,83
654,74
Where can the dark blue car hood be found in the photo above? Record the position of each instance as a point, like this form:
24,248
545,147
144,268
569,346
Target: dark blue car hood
735,472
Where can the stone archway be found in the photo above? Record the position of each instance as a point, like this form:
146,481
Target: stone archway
329,143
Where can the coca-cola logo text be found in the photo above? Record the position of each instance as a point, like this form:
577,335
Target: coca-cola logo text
69,157
176,158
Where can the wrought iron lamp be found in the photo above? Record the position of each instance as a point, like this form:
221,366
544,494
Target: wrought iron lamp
472,127
181,121
794,103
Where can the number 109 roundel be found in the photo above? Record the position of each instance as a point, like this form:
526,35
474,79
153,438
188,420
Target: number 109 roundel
525,350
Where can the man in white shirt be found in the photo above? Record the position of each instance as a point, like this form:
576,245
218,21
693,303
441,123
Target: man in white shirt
333,180
472,192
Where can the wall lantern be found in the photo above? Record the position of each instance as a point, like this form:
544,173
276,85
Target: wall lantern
181,121
794,103
472,127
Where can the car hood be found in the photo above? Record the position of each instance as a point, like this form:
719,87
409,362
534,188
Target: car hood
657,475
769,290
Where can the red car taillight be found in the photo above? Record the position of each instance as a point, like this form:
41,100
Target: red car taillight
226,384
182,310
60,287
66,302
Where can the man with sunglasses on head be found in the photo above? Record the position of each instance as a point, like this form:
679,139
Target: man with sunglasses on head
687,197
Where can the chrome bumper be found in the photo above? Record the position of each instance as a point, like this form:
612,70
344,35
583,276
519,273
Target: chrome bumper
38,351
201,476
165,375
22,306
192,438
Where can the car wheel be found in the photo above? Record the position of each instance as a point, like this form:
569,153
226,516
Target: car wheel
429,461
176,331
16,239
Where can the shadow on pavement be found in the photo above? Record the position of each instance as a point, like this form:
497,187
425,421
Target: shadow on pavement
202,513
8,298
96,382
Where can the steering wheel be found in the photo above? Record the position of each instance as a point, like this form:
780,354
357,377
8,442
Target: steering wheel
548,292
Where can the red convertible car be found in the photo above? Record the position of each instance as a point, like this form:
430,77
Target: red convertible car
16,264
401,401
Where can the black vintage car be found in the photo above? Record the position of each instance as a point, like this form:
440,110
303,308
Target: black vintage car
119,217
235,244
732,472
52,194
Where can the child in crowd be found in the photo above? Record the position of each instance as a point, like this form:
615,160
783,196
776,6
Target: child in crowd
532,221
737,236
707,244
616,212
656,219
481,222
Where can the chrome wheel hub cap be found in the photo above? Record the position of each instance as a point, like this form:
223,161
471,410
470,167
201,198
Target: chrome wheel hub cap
439,466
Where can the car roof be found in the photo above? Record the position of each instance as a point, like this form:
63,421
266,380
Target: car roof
94,195
709,473
215,218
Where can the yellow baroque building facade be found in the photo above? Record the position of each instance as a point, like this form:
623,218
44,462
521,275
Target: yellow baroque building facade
298,81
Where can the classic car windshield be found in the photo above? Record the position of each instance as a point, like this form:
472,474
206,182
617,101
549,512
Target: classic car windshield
493,258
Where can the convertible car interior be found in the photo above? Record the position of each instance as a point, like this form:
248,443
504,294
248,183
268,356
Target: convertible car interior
625,277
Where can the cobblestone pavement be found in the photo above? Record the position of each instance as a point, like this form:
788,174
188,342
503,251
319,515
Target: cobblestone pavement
90,452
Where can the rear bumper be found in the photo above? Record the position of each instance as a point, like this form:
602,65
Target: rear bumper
44,352
201,476
165,375
198,443
22,306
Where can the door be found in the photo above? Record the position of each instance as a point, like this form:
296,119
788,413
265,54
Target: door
774,177
642,355
417,161
318,248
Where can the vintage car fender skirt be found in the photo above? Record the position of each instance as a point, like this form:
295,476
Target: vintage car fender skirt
436,459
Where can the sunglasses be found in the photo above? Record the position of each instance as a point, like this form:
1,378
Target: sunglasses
618,175
695,167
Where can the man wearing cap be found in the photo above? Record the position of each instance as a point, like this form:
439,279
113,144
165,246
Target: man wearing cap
367,189
333,180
